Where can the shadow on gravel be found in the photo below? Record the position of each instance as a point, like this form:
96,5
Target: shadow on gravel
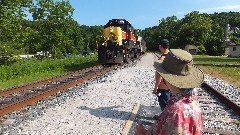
146,116
107,112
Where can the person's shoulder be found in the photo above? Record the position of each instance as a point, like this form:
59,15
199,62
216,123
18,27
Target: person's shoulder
162,57
165,54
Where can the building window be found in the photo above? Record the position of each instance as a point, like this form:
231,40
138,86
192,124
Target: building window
234,48
192,51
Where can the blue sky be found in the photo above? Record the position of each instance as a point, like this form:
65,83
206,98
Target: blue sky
144,13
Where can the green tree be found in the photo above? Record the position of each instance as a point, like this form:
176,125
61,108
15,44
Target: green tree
91,36
148,35
224,18
213,43
11,15
75,36
202,30
195,29
52,20
168,28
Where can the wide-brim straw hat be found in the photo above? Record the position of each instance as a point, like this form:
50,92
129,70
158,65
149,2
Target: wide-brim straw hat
177,69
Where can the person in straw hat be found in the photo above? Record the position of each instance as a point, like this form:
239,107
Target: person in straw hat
182,115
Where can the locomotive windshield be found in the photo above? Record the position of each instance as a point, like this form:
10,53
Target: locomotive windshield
121,21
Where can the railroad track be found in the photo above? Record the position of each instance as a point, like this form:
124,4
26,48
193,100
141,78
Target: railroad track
16,98
220,107
220,113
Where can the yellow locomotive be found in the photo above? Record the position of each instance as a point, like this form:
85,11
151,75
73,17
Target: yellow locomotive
120,43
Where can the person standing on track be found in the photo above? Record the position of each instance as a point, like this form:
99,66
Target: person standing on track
182,115
160,89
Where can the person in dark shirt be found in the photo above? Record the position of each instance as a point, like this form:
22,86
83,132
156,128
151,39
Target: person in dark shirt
160,89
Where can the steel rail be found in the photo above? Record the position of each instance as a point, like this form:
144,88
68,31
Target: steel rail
223,98
8,92
32,100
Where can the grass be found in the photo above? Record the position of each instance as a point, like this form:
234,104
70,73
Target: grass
215,60
28,79
43,74
228,74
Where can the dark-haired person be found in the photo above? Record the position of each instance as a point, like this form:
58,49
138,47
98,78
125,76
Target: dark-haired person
160,88
182,115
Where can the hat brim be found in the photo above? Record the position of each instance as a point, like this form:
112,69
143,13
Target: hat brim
192,80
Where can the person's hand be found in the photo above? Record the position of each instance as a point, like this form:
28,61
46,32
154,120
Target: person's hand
140,130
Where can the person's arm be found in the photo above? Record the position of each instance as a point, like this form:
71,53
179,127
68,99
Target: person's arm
140,130
157,82
158,78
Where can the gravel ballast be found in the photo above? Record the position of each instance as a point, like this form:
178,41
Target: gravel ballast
100,107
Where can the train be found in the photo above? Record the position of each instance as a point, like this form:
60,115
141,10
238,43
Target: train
120,43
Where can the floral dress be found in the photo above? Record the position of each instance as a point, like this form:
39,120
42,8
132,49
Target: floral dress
182,116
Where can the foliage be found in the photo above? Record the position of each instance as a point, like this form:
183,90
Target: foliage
213,43
53,29
215,60
201,50
11,15
228,72
225,18
195,29
6,55
203,30
91,36
32,67
148,35
168,29
52,26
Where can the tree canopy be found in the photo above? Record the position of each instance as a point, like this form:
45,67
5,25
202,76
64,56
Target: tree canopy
52,29
203,30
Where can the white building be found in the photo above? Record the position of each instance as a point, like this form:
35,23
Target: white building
192,49
233,50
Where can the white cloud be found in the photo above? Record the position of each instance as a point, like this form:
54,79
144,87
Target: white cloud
215,9
224,8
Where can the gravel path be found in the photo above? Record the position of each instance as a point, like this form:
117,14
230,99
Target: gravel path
101,107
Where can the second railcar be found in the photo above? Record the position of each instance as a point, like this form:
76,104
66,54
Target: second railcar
142,48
